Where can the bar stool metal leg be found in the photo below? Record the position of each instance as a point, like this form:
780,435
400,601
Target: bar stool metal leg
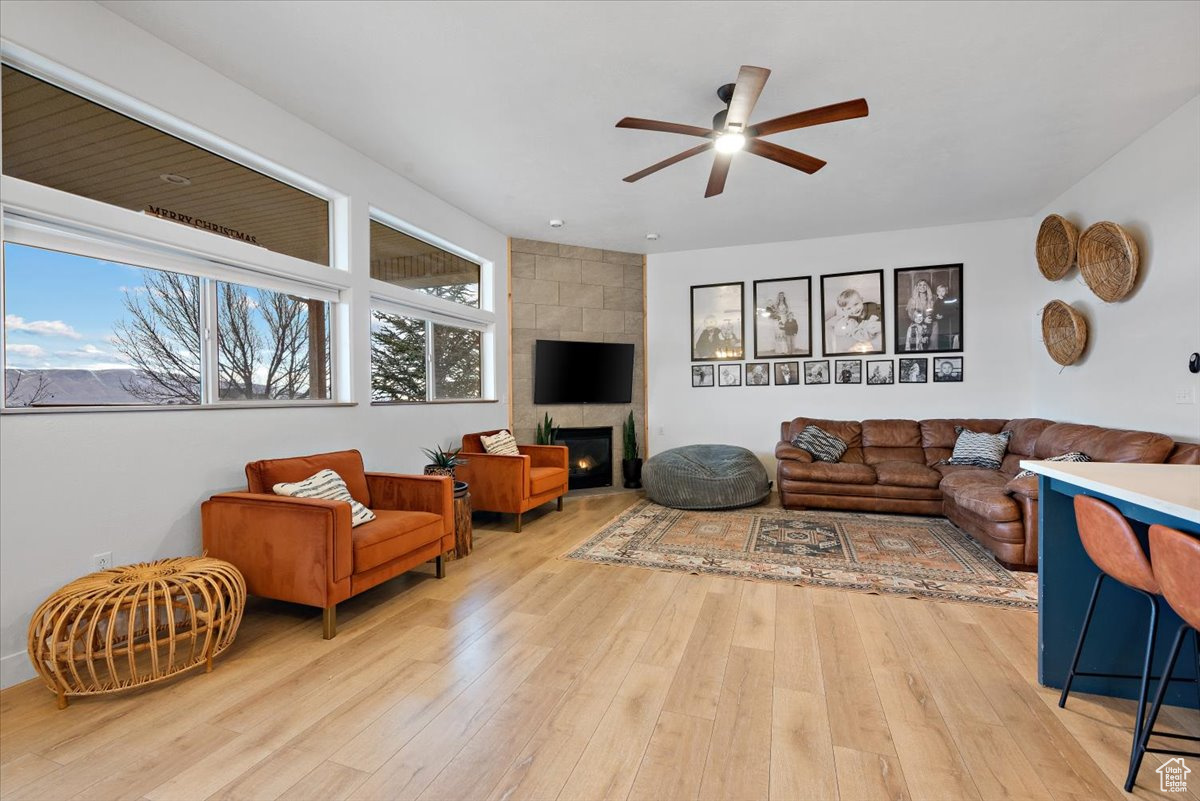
1087,621
1141,745
1165,680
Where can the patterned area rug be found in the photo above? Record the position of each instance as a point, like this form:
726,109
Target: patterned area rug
918,557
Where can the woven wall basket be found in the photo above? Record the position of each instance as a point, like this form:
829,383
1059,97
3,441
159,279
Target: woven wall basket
1108,261
1064,331
1056,245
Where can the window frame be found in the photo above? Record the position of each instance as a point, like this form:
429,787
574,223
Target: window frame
392,299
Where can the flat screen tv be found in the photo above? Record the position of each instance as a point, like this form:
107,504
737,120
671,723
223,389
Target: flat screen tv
582,372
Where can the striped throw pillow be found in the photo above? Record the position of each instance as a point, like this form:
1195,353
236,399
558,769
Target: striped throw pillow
500,444
823,446
1073,456
328,486
978,449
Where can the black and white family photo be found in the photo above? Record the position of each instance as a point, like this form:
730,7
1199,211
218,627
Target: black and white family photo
717,322
758,374
852,313
787,373
914,371
781,318
948,368
702,375
929,310
816,372
881,372
847,371
729,375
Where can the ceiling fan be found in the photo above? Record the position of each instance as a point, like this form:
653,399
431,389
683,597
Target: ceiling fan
732,131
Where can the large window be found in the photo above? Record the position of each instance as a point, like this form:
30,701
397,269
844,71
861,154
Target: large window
430,332
58,139
86,331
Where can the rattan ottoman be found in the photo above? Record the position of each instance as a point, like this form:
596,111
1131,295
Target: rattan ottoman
136,625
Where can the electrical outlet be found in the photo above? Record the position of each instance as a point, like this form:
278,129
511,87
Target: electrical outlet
102,561
1185,395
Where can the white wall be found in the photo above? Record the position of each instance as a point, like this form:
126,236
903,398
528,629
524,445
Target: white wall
72,485
1138,348
997,273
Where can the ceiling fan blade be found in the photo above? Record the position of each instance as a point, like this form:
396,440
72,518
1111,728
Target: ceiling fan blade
749,86
716,178
814,116
666,127
784,155
687,154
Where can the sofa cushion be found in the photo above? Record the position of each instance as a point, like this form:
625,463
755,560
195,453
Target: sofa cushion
907,474
261,476
837,472
1184,453
891,434
823,446
983,493
544,479
979,449
1025,432
393,534
1103,444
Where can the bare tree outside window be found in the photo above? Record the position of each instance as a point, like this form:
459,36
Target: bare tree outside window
26,388
160,338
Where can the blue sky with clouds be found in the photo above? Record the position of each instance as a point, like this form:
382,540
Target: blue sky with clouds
60,309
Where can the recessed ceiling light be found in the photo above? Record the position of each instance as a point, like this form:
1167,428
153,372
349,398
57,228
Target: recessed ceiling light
652,237
557,223
176,180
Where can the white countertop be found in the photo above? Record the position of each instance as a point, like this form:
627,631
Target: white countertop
1170,488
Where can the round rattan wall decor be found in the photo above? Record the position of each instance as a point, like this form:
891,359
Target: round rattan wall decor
1056,246
1064,331
1108,261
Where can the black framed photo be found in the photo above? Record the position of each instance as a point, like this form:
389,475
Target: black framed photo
948,369
929,309
847,371
758,374
702,375
729,375
852,319
914,371
816,372
881,372
782,324
787,373
717,328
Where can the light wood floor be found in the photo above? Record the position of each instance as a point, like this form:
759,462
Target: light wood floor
525,676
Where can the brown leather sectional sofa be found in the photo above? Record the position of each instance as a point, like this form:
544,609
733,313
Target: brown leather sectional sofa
892,466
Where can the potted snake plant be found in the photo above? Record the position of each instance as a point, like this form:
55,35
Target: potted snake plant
631,465
442,463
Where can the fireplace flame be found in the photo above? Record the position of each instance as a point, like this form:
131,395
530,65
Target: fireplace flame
587,463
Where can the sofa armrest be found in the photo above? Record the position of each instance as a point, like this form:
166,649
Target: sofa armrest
498,483
786,450
545,455
291,549
1027,487
414,494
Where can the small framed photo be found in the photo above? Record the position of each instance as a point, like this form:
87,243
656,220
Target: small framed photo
717,328
947,368
914,371
758,374
816,372
852,319
881,372
929,309
782,326
729,375
702,375
847,371
787,373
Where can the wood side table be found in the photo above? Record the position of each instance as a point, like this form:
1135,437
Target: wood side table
463,533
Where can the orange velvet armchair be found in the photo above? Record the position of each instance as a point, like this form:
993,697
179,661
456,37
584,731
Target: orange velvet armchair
513,484
303,550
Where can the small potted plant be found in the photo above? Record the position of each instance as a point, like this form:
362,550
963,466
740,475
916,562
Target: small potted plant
631,465
546,431
442,463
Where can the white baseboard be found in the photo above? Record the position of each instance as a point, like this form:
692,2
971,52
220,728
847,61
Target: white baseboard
15,668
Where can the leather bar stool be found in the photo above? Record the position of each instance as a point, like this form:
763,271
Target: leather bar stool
1177,567
1112,545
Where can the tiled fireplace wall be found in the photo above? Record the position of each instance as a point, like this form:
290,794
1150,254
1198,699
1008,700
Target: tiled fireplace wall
564,292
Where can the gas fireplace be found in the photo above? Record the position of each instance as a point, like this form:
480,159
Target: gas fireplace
589,456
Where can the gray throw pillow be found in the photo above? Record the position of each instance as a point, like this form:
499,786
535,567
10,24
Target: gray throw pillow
823,446
978,449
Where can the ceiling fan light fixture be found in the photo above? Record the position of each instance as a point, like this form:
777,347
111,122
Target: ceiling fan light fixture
730,142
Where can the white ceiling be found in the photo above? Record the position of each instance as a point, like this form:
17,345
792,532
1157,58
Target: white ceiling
979,111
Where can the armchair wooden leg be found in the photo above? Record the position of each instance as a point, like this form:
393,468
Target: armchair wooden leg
560,503
329,622
440,563
517,525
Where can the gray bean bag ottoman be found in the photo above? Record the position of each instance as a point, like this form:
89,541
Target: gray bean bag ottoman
705,477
